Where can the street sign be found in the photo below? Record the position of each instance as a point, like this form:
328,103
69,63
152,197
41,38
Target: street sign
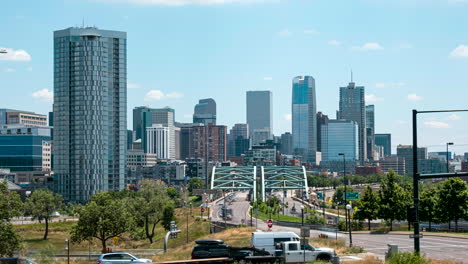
320,195
416,236
352,196
270,223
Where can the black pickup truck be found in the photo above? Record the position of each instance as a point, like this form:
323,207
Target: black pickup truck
215,248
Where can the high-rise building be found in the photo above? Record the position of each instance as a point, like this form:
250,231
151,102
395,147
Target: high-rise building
465,155
237,139
145,117
406,152
259,110
205,112
201,142
340,136
304,119
158,141
286,144
18,117
352,107
384,140
370,131
321,121
397,164
90,111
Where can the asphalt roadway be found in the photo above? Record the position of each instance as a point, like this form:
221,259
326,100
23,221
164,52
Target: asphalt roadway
431,246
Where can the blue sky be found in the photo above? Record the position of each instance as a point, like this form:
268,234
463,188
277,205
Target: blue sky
407,53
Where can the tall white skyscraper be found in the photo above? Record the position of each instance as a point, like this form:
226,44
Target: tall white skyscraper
304,119
90,111
158,141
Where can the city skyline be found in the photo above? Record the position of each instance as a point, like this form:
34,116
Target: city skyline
387,86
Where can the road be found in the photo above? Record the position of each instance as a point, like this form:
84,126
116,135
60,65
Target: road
431,246
239,208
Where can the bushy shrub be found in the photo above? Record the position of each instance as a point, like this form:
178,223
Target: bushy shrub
407,258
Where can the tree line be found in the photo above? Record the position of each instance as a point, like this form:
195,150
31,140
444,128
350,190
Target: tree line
106,215
443,202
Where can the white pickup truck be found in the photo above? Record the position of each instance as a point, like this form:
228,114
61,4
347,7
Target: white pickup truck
293,253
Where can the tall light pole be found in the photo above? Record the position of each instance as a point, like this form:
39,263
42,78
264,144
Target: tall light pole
348,208
345,185
448,166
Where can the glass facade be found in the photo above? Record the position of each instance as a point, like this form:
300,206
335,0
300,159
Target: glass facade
205,112
340,136
384,140
304,119
259,110
90,120
352,107
21,152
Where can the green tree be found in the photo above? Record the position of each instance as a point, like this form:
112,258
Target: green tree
453,198
368,206
195,183
428,206
41,205
10,203
338,197
10,242
393,199
152,199
102,218
168,216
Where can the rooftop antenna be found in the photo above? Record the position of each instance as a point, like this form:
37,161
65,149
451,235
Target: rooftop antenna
351,75
82,26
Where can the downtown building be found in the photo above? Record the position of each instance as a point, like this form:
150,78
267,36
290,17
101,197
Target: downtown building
406,152
19,117
205,112
385,141
370,132
260,112
353,107
304,119
90,111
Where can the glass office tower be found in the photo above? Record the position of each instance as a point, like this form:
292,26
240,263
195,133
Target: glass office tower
259,111
304,119
90,111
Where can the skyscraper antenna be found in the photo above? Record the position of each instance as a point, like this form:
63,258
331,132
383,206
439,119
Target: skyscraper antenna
82,25
351,75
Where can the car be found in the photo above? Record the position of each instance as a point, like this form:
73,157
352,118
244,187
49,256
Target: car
120,257
16,261
215,248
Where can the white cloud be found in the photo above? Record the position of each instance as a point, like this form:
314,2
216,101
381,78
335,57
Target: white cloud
311,32
436,124
460,52
174,95
370,46
184,2
334,42
372,98
267,78
454,117
284,33
9,70
14,55
131,85
44,95
414,97
287,117
380,85
155,95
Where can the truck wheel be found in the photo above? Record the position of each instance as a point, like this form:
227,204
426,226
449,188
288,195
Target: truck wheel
324,258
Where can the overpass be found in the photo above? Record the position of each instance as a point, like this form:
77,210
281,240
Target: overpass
267,178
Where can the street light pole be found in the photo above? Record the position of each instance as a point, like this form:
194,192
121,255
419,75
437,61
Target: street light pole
348,208
448,166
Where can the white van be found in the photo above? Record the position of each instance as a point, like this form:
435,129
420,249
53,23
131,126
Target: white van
271,241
